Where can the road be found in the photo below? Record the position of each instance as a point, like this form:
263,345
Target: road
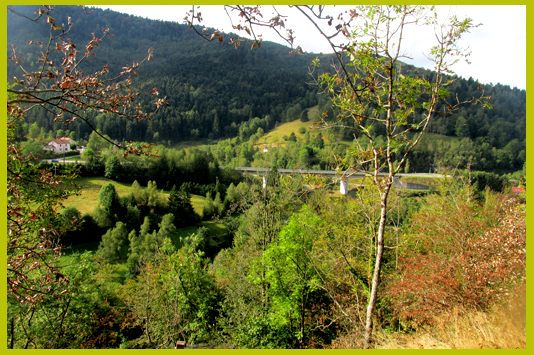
60,160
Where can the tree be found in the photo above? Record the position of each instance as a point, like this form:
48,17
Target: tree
292,137
265,211
59,86
174,298
98,143
378,94
304,116
181,207
113,168
72,217
114,245
41,291
209,210
108,200
166,227
33,225
34,131
462,253
291,275
93,164
368,89
31,147
318,141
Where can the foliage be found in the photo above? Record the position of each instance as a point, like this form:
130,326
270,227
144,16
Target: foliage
196,90
108,200
114,245
180,206
87,315
372,95
173,299
64,89
113,169
299,268
481,180
461,254
73,218
33,225
292,277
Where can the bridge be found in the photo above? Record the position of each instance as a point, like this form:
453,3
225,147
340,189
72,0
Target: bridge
343,176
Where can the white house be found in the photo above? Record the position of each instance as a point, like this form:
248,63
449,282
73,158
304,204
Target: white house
60,145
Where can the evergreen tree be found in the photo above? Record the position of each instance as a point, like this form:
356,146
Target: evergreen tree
304,116
181,207
108,201
166,227
134,257
318,141
114,245
209,209
292,137
113,169
219,207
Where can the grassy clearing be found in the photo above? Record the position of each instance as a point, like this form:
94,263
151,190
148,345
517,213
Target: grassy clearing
274,137
87,200
76,159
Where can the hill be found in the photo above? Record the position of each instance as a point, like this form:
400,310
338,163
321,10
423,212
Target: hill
216,91
211,88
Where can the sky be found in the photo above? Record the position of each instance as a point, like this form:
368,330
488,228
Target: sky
498,47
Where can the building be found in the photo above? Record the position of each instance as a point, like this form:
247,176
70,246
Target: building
60,145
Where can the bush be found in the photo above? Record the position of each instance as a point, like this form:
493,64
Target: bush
480,180
462,254
304,116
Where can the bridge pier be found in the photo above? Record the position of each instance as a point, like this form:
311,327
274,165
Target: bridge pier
344,186
264,185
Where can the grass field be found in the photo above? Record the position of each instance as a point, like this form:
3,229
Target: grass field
87,200
274,137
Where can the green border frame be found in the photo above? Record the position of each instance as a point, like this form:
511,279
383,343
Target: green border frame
3,96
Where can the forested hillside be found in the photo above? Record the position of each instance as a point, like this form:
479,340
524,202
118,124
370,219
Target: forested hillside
214,88
211,88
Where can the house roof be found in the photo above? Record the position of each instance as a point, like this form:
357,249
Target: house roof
62,140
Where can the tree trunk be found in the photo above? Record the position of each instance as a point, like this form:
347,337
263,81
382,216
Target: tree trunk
378,267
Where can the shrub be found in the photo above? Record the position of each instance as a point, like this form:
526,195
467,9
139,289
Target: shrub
463,255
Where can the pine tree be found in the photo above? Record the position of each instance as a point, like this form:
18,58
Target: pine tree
181,207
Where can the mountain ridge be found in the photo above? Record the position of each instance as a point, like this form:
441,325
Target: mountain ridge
215,88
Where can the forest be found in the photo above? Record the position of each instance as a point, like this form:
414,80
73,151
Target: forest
217,92
182,248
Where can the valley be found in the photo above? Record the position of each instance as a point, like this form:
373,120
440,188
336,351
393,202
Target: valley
184,207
